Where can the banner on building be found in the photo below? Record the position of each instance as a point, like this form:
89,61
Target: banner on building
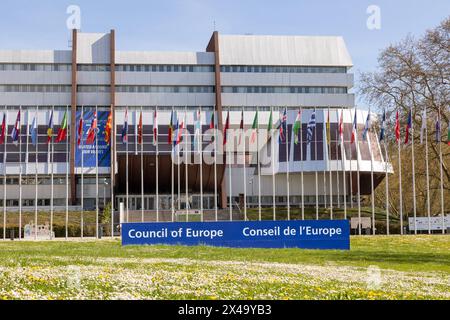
89,150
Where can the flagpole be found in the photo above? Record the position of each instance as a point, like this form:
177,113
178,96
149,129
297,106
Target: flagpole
4,172
337,161
157,165
357,172
400,179
272,152
424,120
329,165
441,163
67,178
96,175
287,168
52,174
112,140
126,165
200,146
316,172
215,168
324,147
344,180
258,164
36,175
301,164
82,171
245,169
186,173
229,175
172,152
387,185
20,173
351,169
371,177
413,172
142,167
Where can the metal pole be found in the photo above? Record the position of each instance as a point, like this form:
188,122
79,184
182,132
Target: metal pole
258,164
96,176
357,173
387,186
36,175
343,157
20,173
200,148
245,170
4,173
126,167
186,173
172,173
215,169
157,165
441,164
82,171
67,178
400,182
301,165
229,174
372,198
52,176
413,171
329,167
316,173
272,151
287,169
427,173
142,168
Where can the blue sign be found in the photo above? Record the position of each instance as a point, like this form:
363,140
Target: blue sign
88,151
307,234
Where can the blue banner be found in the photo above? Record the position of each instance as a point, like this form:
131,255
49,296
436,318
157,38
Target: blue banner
88,150
307,234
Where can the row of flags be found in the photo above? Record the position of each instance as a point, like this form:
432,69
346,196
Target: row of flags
176,127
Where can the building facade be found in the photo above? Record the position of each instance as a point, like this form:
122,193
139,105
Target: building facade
236,75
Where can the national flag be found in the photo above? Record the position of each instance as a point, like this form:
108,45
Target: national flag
16,130
92,130
175,132
80,130
50,129
297,125
155,127
311,127
33,132
140,129
125,128
448,133
367,127
225,129
424,125
397,127
282,127
62,132
169,134
438,130
180,129
254,128
3,130
341,127
212,123
241,127
354,128
408,127
383,125
328,128
108,128
269,124
197,135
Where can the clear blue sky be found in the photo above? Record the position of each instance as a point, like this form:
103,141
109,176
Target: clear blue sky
186,25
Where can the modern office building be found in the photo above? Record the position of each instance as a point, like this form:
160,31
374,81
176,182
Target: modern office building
235,75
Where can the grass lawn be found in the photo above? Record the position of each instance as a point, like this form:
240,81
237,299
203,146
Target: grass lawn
380,267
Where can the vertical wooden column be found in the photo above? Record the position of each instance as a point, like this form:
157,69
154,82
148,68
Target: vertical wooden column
113,103
73,182
213,46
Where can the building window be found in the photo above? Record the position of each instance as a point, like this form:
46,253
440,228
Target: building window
270,89
282,69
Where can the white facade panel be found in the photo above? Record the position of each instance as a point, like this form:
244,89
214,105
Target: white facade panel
34,98
165,99
165,78
93,78
93,99
287,79
93,48
35,56
139,57
287,99
35,77
283,50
